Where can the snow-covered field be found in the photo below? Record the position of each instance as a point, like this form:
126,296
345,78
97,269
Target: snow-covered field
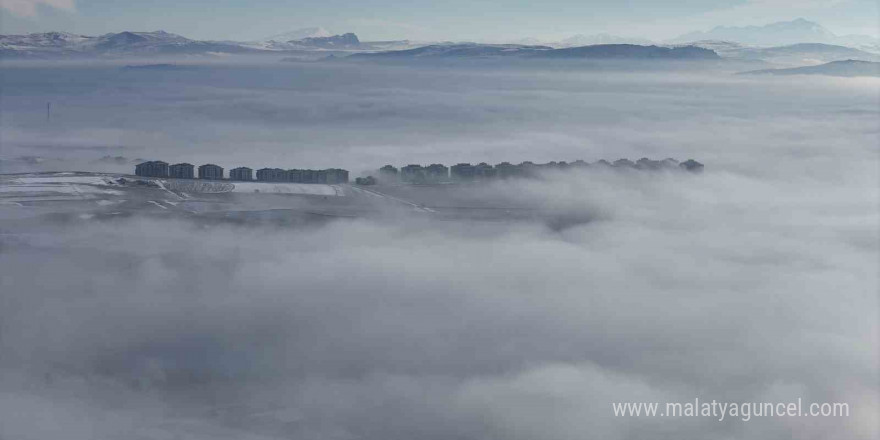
202,186
63,178
60,183
63,189
195,186
287,188
70,183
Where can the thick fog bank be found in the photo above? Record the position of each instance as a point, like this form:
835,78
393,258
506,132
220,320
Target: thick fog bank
361,116
754,281
717,286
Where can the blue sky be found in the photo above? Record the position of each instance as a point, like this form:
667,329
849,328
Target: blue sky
478,20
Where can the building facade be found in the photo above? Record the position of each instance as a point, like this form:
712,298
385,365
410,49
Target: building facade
462,172
321,176
506,170
243,174
436,172
309,176
484,171
388,173
210,172
294,175
412,173
153,168
336,176
271,175
181,171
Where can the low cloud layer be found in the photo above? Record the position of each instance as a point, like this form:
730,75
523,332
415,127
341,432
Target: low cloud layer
754,281
362,116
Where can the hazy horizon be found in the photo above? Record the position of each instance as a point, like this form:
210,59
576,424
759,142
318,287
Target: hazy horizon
484,306
391,20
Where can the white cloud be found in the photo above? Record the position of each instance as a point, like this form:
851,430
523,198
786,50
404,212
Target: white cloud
28,8
753,282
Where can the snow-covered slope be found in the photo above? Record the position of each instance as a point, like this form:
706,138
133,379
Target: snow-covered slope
49,43
124,44
790,55
59,44
456,50
836,68
779,34
347,41
52,45
601,51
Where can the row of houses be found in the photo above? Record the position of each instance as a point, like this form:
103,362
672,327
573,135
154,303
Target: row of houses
436,173
330,175
413,173
158,168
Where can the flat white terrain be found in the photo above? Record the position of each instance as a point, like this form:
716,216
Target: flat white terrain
316,189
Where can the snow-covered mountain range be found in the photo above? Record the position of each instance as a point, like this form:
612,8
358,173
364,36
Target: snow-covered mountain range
125,44
66,45
780,34
797,42
600,51
582,40
789,55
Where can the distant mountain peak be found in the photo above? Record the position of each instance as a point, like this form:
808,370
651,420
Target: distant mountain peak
125,43
783,33
299,34
798,23
799,30
347,39
802,22
58,35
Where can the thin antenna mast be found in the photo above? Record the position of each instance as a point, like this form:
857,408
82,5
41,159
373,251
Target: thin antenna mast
48,111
